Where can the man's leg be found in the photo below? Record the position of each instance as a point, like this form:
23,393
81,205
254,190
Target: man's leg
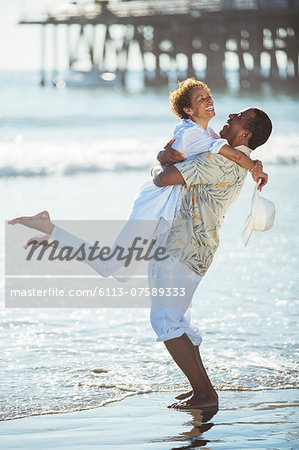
210,388
180,339
183,353
202,367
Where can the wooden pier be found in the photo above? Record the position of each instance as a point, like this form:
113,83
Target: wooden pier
258,34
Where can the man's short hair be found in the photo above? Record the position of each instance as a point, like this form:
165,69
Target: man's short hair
260,126
180,98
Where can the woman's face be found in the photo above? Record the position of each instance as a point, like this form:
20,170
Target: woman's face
201,105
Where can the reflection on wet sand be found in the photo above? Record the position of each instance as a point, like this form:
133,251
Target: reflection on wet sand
246,419
199,423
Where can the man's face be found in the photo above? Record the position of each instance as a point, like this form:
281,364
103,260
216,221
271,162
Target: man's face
201,105
234,127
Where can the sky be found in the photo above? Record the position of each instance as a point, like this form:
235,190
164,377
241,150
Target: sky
20,45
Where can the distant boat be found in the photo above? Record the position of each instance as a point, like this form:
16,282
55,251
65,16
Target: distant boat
87,79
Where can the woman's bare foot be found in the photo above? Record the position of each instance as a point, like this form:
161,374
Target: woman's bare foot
42,239
183,396
40,222
197,401
25,220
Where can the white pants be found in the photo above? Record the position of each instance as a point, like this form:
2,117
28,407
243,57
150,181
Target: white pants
170,315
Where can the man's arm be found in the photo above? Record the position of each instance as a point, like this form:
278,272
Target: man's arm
166,176
198,170
171,178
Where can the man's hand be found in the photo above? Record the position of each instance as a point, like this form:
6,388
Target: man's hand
262,177
166,176
258,174
169,155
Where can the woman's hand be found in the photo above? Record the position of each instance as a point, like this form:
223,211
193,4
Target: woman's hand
258,166
169,155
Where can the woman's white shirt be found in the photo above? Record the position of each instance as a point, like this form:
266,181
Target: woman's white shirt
152,202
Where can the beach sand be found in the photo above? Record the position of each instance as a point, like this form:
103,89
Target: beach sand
246,419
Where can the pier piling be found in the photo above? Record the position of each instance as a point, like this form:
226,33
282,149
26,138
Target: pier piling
164,29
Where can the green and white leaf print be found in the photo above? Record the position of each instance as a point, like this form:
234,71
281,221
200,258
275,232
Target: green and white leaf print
213,184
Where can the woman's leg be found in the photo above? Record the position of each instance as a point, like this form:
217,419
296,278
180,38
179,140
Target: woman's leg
42,222
142,229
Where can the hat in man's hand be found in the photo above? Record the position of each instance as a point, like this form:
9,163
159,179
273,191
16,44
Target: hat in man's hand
261,217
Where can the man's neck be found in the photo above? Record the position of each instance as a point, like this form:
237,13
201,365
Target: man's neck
237,144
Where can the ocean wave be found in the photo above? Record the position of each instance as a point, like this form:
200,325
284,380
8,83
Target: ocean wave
76,170
119,396
70,170
45,158
90,121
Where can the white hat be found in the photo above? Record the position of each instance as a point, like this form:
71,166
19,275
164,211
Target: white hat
261,217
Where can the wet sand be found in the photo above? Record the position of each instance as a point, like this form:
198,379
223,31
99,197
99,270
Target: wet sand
246,419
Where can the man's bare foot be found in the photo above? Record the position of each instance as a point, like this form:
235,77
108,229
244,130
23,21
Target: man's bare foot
42,239
183,396
25,220
196,401
212,394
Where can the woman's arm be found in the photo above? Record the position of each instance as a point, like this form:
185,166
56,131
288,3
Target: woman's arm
241,159
169,155
196,141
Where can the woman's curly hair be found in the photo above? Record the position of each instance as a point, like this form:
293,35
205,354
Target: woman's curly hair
180,98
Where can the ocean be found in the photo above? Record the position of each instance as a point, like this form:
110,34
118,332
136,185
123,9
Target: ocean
82,154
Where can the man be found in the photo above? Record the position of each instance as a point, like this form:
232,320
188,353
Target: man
212,186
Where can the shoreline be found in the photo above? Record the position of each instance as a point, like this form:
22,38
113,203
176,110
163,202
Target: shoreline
246,419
